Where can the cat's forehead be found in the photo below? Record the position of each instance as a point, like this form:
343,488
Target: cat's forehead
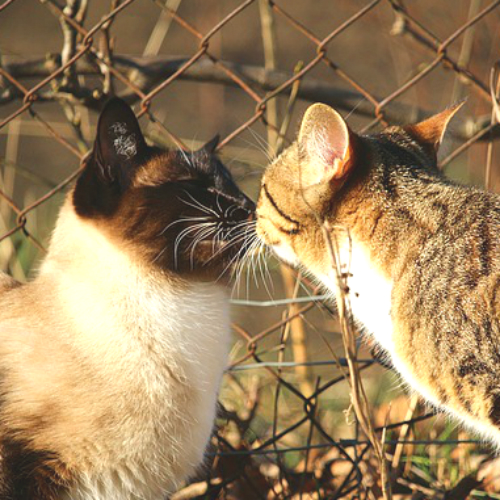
400,137
285,169
170,166
161,167
396,142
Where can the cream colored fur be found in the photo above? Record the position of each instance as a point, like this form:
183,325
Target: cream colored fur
118,364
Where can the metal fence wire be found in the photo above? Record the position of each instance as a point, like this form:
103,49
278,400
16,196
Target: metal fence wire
248,69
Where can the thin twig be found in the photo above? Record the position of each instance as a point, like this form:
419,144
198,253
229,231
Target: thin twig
495,119
358,396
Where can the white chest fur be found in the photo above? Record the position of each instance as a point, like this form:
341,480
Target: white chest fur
169,366
369,298
369,292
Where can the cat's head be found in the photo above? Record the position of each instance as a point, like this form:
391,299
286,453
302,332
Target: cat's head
178,211
323,167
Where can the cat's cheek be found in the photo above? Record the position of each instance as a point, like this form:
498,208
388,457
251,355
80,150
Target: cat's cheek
284,252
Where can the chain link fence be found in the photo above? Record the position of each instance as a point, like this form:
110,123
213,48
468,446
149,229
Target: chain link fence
249,69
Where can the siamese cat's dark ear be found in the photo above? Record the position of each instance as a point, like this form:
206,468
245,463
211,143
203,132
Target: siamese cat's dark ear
211,145
430,132
119,145
325,144
119,148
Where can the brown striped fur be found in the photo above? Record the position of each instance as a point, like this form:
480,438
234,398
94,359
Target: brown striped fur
422,253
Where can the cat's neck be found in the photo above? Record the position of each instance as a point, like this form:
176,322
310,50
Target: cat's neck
389,211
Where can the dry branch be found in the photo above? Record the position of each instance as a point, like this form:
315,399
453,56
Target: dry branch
358,395
147,72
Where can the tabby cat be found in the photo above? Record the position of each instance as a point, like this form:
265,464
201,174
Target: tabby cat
111,358
420,253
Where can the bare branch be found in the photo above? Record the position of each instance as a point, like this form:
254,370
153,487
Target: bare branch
147,72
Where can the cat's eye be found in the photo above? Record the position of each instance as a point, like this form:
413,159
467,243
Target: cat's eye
289,232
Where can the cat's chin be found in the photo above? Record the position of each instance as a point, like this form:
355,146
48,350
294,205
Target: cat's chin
285,253
220,255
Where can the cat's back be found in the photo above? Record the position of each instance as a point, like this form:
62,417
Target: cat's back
453,245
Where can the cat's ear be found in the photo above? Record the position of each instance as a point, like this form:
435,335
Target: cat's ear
118,149
430,132
325,141
210,147
119,145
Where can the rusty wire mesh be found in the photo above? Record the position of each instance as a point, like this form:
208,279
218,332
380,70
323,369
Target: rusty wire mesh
249,69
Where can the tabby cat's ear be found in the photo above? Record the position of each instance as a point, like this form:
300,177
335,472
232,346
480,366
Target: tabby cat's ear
324,139
119,144
430,132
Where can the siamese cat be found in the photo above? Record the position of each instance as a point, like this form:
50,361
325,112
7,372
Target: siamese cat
111,358
420,254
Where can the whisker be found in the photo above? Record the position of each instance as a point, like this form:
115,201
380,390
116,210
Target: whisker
263,267
217,200
182,235
160,253
238,269
204,228
251,266
268,273
199,205
228,245
199,237
184,219
246,262
186,158
263,146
